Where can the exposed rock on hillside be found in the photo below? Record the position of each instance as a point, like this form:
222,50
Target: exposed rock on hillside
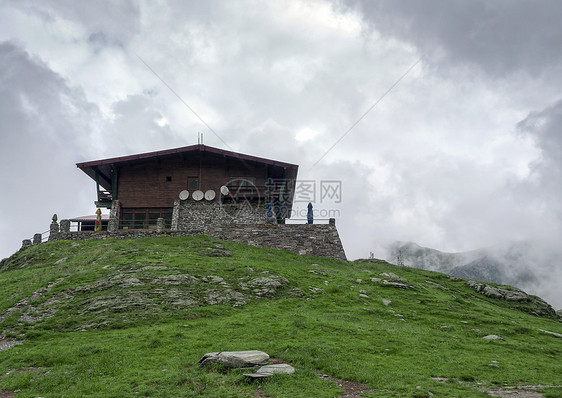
391,280
139,290
537,306
499,292
6,344
265,286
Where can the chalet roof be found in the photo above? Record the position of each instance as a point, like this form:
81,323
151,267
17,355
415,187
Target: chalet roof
185,149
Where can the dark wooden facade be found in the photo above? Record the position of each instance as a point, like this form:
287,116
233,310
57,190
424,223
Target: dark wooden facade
154,180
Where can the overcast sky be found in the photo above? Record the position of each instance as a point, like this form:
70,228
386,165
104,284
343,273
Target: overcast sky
464,152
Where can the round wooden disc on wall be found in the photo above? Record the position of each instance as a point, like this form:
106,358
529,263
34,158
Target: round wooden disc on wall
210,195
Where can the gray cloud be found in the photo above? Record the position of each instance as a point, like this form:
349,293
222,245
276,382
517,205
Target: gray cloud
545,184
106,21
498,37
42,131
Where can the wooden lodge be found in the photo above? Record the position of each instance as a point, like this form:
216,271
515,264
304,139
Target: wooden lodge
148,186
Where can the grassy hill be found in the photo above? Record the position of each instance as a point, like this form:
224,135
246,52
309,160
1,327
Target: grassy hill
130,318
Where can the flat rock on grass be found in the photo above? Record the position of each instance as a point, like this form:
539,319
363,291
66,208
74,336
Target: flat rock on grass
551,333
210,252
398,285
235,359
270,370
492,337
390,275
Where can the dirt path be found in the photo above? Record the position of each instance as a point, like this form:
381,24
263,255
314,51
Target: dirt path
518,392
351,389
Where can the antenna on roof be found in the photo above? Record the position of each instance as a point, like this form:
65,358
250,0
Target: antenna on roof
201,138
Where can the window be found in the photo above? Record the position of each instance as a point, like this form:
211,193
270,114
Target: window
192,183
242,182
145,218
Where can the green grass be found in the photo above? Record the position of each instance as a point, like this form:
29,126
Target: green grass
116,331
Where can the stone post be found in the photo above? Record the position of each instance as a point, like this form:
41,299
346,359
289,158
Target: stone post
159,225
53,231
54,228
25,243
64,225
176,215
113,225
115,209
37,239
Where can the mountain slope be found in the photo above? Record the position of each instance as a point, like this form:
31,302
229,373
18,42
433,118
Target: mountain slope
417,256
528,265
484,269
127,318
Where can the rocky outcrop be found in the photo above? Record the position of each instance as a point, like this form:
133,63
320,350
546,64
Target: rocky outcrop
265,286
6,344
533,304
499,292
143,290
391,280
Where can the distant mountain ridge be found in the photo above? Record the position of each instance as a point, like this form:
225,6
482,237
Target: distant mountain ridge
514,263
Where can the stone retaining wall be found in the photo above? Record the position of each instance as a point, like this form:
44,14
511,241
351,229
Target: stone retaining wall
237,222
311,239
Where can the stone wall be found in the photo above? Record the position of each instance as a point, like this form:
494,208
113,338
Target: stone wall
237,222
310,239
197,217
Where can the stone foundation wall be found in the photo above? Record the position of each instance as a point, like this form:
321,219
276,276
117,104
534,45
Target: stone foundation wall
198,216
237,222
311,239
